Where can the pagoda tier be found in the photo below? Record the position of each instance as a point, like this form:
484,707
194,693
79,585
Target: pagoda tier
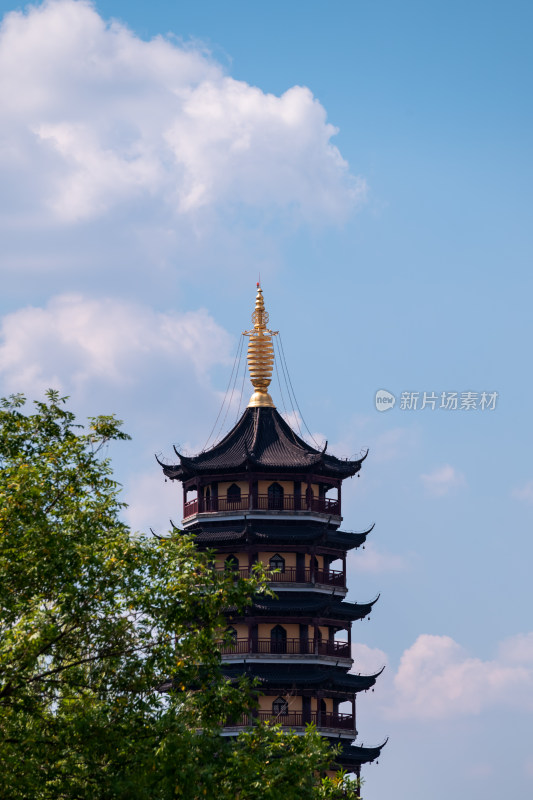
296,554
295,695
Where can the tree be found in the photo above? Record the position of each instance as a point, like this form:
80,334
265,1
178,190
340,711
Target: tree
110,676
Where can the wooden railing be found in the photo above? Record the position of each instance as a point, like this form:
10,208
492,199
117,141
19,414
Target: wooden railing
262,502
286,647
329,577
298,719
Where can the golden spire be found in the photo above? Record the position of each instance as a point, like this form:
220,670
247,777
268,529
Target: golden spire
260,354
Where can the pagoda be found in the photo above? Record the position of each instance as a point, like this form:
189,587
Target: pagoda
263,494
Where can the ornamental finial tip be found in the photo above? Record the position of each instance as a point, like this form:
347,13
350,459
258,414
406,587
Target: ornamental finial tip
260,353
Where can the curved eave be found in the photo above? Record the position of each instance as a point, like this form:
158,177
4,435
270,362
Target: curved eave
356,755
348,540
337,468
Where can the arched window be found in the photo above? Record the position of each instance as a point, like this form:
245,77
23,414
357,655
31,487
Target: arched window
234,494
232,562
232,633
277,562
280,707
278,640
275,496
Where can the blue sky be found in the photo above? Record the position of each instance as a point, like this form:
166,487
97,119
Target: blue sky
373,162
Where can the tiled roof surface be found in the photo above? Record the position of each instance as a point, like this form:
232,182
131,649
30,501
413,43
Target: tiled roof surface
355,755
262,440
208,534
290,604
302,676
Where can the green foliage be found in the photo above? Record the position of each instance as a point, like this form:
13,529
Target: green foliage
110,679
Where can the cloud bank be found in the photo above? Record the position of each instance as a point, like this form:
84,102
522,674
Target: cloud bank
437,679
75,342
98,124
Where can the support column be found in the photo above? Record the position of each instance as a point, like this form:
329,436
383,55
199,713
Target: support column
325,569
254,636
297,495
252,558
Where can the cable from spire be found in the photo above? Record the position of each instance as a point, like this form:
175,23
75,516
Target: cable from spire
295,418
221,428
284,361
236,363
279,382
242,389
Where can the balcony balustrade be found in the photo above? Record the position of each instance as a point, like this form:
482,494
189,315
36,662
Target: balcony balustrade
298,719
261,502
286,647
328,577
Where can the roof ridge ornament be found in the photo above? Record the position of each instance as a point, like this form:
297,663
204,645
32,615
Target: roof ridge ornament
260,354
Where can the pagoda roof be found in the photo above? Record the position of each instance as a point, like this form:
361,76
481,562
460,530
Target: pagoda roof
308,604
284,677
261,441
210,534
355,755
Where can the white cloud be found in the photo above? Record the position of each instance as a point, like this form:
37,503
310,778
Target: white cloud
524,493
95,120
372,560
442,480
152,502
75,342
517,649
437,679
367,660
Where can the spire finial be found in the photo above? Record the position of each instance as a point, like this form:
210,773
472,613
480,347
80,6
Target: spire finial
260,353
